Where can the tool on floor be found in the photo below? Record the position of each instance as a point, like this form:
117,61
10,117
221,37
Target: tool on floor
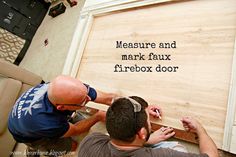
57,10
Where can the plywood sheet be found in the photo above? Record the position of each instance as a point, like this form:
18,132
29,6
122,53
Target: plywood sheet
204,32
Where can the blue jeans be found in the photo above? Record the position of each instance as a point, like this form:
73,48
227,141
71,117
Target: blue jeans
170,144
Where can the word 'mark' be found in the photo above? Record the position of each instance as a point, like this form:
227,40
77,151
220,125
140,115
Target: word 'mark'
151,56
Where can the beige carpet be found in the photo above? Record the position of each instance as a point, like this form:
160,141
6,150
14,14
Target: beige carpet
10,45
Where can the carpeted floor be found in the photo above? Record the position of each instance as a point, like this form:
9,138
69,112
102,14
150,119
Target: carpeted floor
10,46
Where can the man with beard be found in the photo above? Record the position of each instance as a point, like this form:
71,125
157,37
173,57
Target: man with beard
128,124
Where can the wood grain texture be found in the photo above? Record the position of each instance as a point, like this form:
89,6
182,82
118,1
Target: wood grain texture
204,31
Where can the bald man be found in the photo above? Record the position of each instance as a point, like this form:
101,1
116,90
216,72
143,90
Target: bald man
40,116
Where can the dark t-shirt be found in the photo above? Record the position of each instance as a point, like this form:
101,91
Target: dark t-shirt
33,116
98,145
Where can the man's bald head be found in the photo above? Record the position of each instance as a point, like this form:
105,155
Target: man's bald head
66,90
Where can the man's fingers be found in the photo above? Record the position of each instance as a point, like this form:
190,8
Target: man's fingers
154,109
185,125
186,128
186,120
170,134
155,113
168,130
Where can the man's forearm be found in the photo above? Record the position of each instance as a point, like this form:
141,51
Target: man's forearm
85,124
105,98
206,144
152,140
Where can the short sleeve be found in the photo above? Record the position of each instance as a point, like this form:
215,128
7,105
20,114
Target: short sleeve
92,93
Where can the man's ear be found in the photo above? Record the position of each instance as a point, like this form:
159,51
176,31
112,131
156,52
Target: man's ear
60,107
142,133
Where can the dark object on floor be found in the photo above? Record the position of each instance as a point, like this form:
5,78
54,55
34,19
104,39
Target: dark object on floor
45,42
72,3
57,10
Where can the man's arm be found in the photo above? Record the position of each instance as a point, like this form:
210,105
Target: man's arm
105,98
85,124
206,144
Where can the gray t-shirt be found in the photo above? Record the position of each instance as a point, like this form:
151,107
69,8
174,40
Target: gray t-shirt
98,145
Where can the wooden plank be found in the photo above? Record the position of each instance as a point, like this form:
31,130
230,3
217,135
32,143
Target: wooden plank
179,134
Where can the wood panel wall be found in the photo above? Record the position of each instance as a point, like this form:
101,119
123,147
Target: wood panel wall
204,32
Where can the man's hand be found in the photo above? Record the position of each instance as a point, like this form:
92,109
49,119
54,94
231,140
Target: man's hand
206,144
155,111
101,115
160,135
191,124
